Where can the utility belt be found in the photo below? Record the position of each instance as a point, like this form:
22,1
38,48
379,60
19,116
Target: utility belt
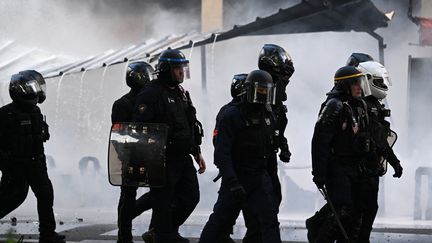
179,147
251,164
349,160
362,165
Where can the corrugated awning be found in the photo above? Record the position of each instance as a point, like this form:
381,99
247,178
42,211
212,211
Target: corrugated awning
305,17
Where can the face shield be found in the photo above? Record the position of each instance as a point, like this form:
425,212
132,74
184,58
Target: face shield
43,90
29,89
262,93
364,81
141,77
357,87
283,64
180,71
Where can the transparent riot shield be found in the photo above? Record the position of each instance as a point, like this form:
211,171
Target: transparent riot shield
136,154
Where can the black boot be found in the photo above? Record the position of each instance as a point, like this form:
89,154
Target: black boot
149,236
314,223
180,239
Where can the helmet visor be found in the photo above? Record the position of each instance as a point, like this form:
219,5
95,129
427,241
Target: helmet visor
262,93
381,83
180,71
365,85
42,86
29,88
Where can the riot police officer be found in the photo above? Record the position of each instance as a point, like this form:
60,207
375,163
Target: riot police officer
165,101
138,74
245,140
23,131
375,90
341,142
237,90
278,63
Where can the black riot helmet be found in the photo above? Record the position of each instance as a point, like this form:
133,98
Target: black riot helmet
138,74
357,58
276,61
259,88
347,76
41,81
172,62
27,88
237,84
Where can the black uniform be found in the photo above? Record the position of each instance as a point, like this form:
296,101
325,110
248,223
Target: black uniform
339,146
128,208
280,111
371,170
173,203
22,134
244,141
379,130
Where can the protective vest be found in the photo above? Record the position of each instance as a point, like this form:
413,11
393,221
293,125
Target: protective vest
378,127
258,139
180,116
352,139
23,133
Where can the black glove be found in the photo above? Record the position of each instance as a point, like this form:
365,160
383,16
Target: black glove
238,193
285,156
397,169
319,181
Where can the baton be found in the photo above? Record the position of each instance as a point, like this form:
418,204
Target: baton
217,177
327,198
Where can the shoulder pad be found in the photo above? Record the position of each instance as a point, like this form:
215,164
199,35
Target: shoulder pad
330,112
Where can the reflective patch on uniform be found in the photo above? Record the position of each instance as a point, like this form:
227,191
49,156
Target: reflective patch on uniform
116,127
344,126
267,121
215,133
171,100
25,122
276,132
142,108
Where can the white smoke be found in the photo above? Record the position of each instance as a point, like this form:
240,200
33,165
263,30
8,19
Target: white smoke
316,57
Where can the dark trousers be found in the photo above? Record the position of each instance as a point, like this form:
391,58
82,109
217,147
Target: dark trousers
125,211
174,202
343,186
369,206
33,173
128,209
253,233
260,205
